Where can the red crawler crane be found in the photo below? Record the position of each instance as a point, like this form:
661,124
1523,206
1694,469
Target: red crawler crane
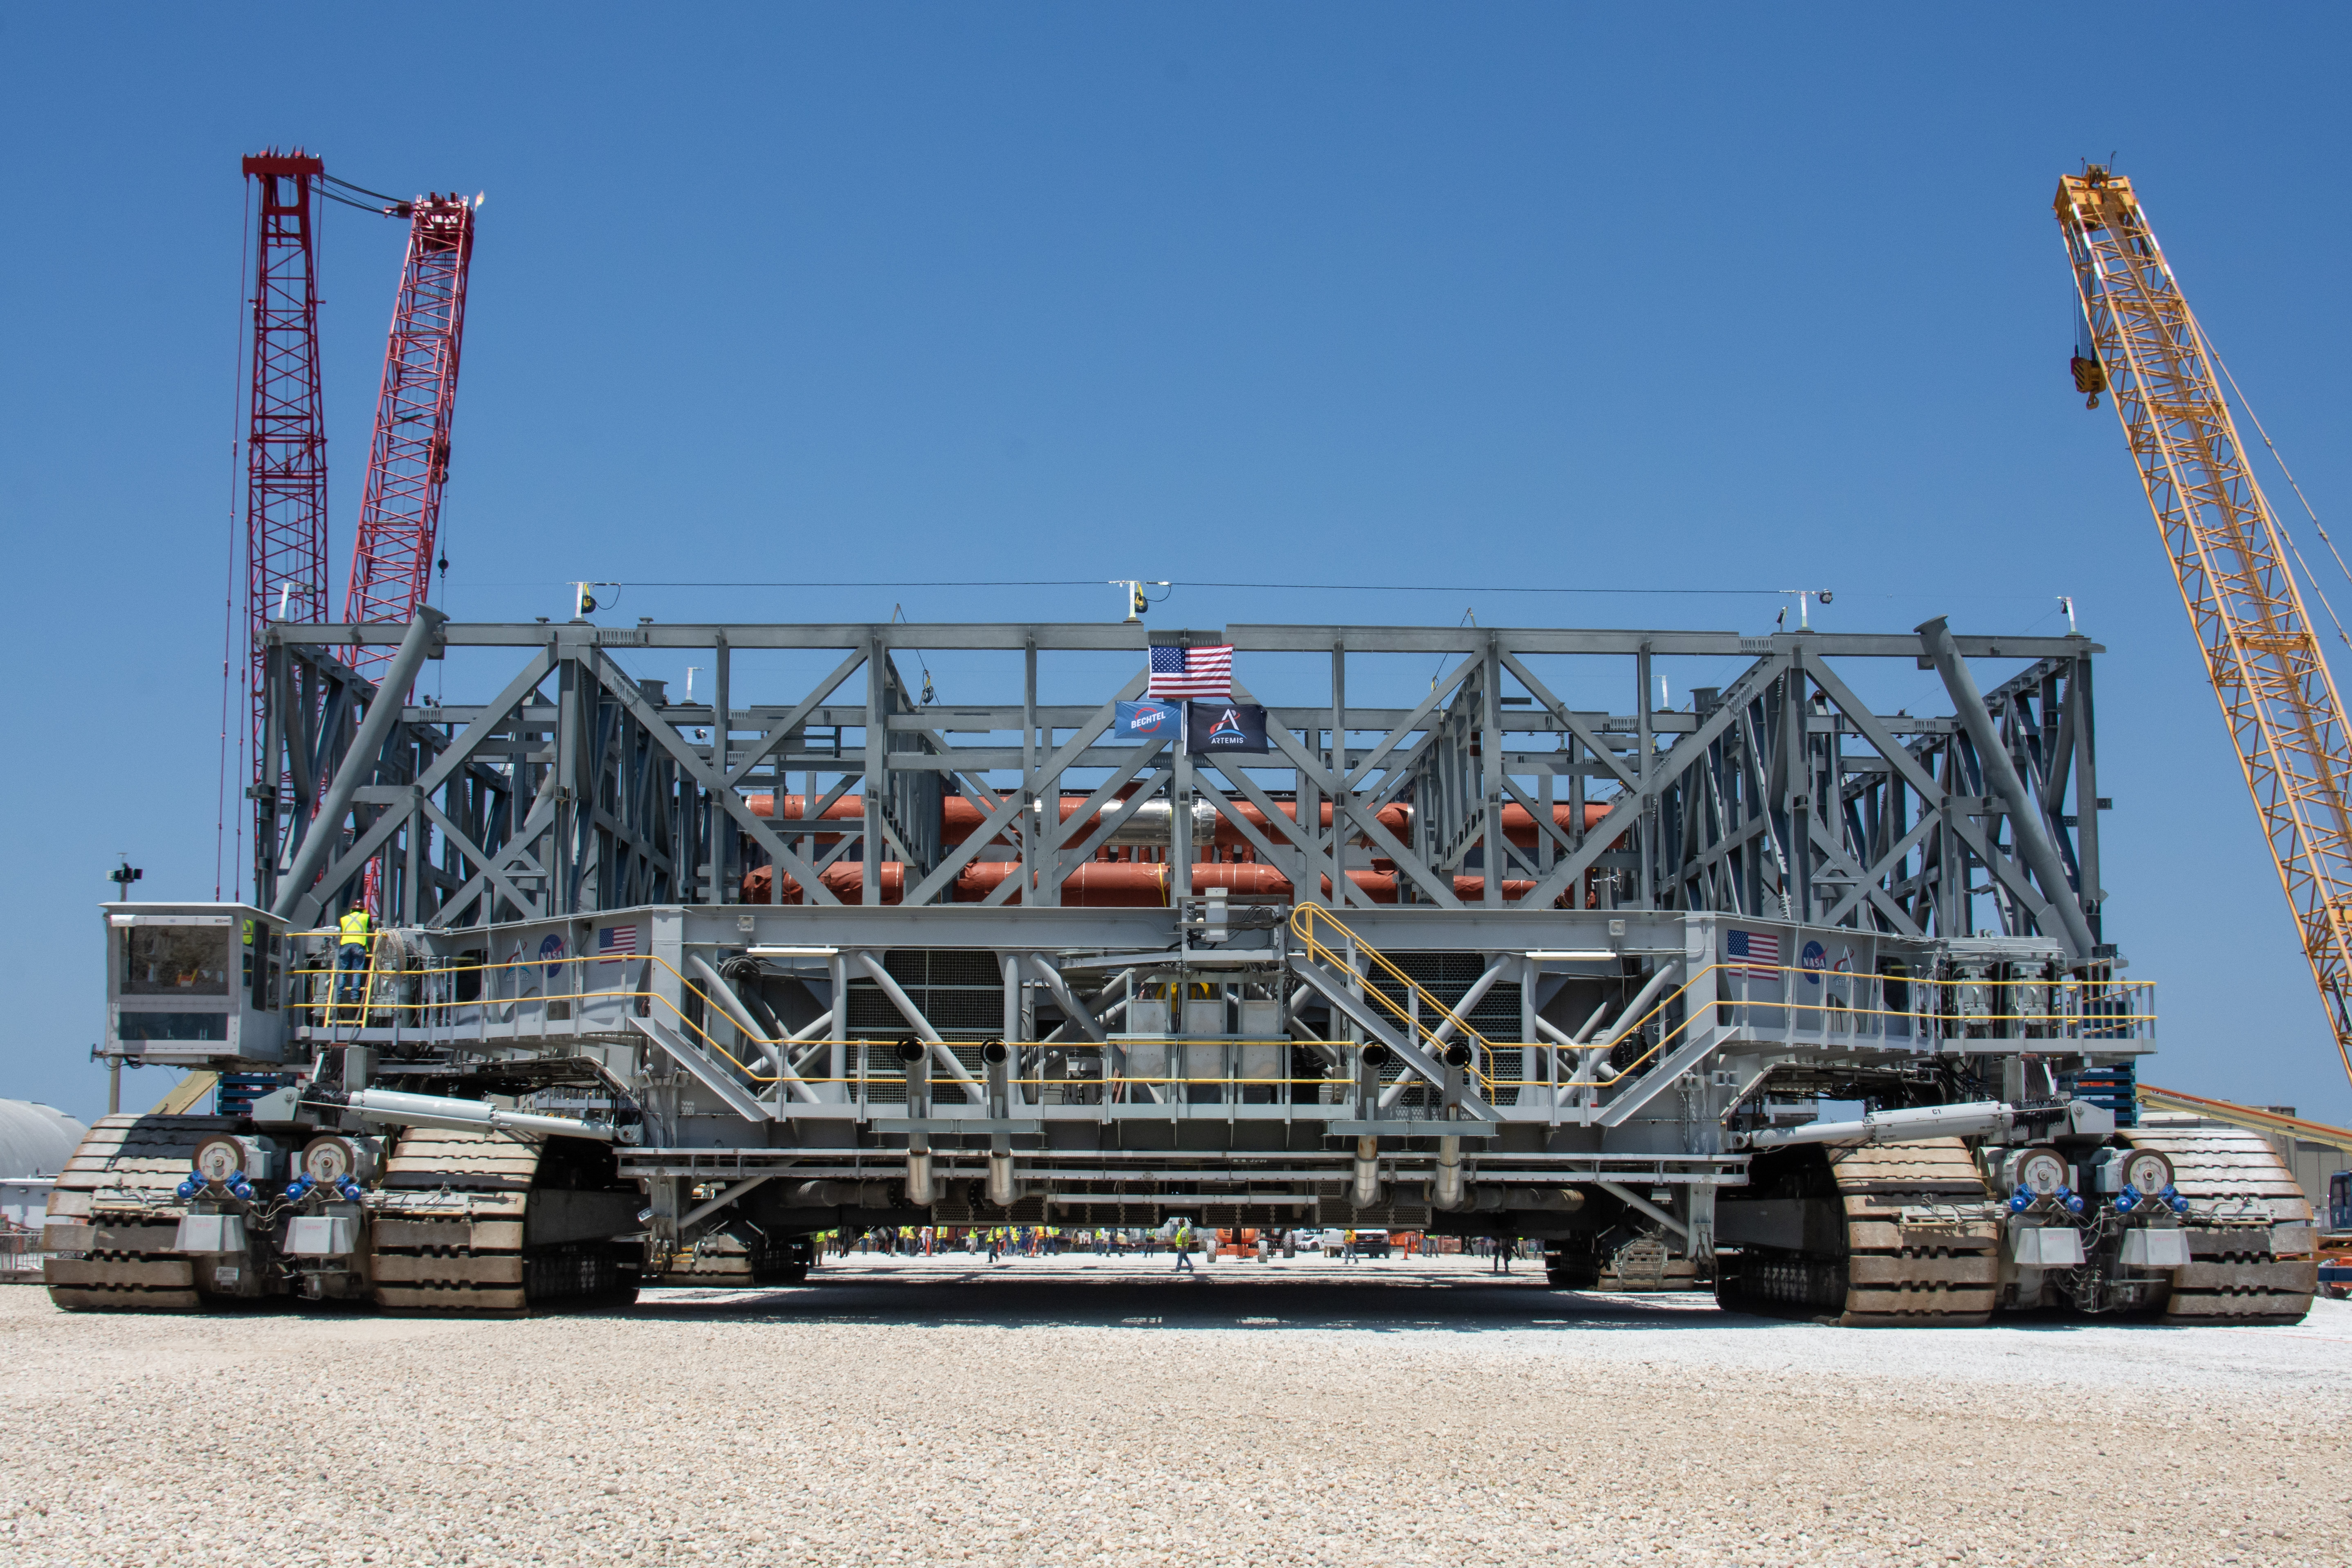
286,447
392,562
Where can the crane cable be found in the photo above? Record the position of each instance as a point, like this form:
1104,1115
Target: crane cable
2297,550
399,206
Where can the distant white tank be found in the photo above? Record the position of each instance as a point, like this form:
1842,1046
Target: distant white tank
35,1140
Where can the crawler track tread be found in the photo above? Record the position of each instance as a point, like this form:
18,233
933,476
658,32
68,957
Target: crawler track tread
114,1213
447,1226
1921,1252
2232,1275
450,1233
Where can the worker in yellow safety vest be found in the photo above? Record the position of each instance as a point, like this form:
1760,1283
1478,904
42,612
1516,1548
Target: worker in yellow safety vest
351,953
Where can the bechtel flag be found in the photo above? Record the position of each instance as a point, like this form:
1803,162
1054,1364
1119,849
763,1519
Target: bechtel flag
1148,721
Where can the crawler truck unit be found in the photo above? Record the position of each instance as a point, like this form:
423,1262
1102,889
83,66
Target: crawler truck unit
666,989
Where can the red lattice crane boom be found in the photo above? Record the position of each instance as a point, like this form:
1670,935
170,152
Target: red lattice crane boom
400,518
285,442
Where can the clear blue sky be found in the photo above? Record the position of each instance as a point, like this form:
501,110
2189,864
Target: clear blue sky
1719,296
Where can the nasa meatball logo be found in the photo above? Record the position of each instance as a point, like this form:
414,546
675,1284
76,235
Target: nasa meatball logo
1812,960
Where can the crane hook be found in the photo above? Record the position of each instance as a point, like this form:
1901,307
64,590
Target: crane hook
2090,377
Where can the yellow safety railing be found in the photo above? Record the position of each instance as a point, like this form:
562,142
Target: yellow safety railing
332,1010
2119,1017
1305,917
2123,1021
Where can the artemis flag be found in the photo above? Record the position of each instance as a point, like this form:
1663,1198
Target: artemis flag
1212,729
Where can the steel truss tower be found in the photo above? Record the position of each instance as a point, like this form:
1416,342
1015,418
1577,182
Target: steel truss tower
392,562
1779,794
285,450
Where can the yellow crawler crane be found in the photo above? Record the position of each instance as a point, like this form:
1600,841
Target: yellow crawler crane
2231,557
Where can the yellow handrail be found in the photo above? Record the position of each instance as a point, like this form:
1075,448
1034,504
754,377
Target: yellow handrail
332,1008
1306,917
1303,921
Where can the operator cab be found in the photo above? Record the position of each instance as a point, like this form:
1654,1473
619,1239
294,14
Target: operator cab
195,984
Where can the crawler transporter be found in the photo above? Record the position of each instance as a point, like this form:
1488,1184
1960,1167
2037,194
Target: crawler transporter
667,988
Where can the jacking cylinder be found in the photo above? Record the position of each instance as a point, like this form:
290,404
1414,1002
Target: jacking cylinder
1002,1190
1368,1173
922,1186
1447,1192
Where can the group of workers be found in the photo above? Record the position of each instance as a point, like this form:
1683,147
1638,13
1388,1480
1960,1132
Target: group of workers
1001,1241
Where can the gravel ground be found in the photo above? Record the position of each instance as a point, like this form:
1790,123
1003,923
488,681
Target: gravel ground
1087,1411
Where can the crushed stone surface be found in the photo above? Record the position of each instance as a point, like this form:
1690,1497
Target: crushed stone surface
1105,1412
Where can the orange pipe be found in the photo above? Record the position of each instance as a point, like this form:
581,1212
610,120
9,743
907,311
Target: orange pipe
846,882
959,817
1107,884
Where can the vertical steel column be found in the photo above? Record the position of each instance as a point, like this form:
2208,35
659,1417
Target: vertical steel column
1646,822
1338,755
1015,1017
1034,831
1536,1056
1576,814
277,695
563,862
837,1055
1490,775
2087,804
1952,909
877,761
1306,877
1796,778
1179,828
1180,819
413,842
1544,848
722,826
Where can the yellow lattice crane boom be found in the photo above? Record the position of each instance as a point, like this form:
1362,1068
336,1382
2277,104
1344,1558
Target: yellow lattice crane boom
2231,557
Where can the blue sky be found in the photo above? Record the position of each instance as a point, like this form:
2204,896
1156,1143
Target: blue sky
1708,297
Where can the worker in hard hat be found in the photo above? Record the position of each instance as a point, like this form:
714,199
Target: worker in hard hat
352,951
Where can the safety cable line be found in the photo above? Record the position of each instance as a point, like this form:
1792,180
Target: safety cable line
229,598
1204,583
362,190
2277,457
1208,582
337,195
391,211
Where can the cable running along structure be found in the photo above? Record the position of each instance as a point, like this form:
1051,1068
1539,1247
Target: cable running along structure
2229,553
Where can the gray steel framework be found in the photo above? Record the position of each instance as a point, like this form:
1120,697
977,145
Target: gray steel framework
1779,794
1477,949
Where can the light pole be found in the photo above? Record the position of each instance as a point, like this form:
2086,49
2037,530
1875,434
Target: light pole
122,875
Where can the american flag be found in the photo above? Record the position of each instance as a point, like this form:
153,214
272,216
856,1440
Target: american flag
616,940
1192,671
1761,949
